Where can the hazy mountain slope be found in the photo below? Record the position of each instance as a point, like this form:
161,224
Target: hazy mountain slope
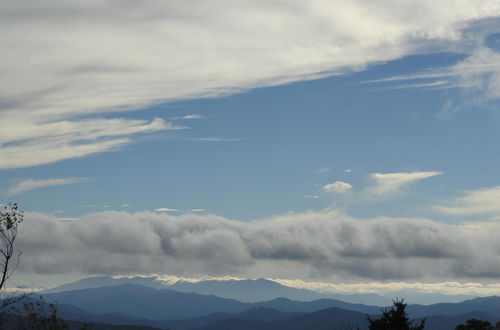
135,304
243,290
327,319
103,281
255,317
144,302
489,305
263,290
427,298
288,305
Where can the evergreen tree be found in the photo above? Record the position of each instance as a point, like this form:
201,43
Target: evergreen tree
395,318
474,324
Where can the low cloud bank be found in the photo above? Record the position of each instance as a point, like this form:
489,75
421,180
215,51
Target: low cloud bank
323,246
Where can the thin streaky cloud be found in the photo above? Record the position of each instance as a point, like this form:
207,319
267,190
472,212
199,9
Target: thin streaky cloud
478,73
26,144
165,209
445,72
474,202
410,77
322,170
32,184
188,117
311,196
217,139
439,83
385,184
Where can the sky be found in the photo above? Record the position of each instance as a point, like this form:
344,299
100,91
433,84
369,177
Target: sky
346,143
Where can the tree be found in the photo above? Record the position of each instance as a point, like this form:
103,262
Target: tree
395,318
474,324
10,218
40,315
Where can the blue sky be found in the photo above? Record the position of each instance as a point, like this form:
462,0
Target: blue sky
207,138
268,151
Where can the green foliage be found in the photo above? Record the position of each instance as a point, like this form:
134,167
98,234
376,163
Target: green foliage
474,324
395,318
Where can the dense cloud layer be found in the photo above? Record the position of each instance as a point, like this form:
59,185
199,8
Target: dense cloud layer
311,245
64,59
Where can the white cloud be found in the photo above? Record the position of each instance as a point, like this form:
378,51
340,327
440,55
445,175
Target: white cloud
479,73
311,196
24,143
446,287
417,76
189,117
391,183
382,288
338,187
436,83
322,170
328,246
110,56
165,209
479,201
348,170
197,210
31,184
125,205
218,139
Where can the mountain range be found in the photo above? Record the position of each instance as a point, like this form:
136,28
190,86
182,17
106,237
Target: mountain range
118,301
243,290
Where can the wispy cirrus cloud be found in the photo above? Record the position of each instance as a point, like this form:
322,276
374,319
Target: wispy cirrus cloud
188,117
478,74
25,144
192,49
217,139
386,184
322,170
474,202
31,184
440,73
